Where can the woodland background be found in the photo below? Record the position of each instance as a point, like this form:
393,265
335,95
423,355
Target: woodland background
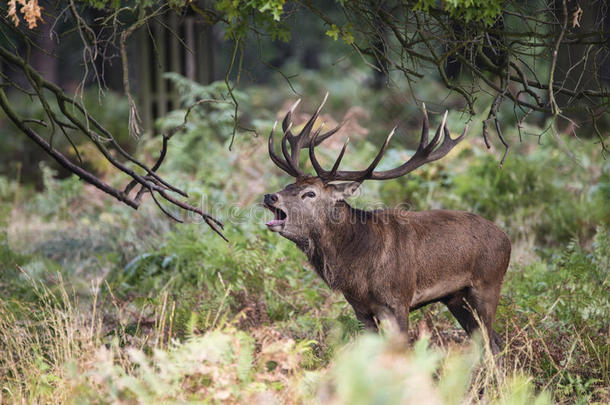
101,303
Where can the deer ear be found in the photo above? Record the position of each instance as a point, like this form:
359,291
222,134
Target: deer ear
344,190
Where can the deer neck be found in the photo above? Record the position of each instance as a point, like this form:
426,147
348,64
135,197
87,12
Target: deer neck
324,246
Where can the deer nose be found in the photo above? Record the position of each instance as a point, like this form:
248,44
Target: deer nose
270,198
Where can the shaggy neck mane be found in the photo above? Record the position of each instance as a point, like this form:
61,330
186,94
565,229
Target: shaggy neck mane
343,230
356,215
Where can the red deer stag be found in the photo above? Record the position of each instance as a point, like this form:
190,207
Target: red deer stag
388,262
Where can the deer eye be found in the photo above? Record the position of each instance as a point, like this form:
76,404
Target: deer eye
309,194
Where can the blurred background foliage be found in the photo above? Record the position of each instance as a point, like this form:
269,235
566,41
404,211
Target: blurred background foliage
151,284
103,304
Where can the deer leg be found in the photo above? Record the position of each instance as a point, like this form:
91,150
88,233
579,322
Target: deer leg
461,312
367,320
392,321
462,306
363,314
402,318
496,342
485,304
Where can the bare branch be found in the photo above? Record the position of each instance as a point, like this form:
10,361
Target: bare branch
492,57
73,116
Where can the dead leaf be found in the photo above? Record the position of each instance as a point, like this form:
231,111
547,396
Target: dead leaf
576,16
31,10
12,12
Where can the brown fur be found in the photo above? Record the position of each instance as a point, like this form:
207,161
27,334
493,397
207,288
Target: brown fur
388,262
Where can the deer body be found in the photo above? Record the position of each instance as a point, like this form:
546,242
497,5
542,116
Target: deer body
388,262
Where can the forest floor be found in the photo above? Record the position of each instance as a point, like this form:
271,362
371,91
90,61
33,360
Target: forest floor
102,304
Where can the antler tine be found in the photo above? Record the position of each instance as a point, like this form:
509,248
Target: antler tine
312,157
289,137
426,151
304,137
324,174
334,174
424,128
291,161
333,171
434,142
367,172
448,143
287,122
286,127
297,142
275,158
321,138
424,154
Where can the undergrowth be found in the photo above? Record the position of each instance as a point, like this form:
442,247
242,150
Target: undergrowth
99,304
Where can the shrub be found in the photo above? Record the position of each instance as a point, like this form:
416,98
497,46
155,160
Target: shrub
375,369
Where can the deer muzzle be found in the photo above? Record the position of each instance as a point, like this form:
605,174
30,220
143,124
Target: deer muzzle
279,216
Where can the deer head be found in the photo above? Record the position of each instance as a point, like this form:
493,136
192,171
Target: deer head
302,207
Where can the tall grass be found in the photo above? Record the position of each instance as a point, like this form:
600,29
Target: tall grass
99,304
42,340
65,347
56,351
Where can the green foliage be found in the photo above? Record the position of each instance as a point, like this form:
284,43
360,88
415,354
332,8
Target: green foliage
566,296
9,259
571,286
242,15
100,4
373,370
160,313
235,9
467,10
59,195
215,116
208,275
209,126
419,190
344,32
514,194
492,191
8,189
116,4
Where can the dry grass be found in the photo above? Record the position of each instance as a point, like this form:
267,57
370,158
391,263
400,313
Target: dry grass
57,351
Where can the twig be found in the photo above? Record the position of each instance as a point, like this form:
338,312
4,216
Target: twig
554,107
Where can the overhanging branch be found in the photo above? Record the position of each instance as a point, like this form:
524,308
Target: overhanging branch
73,117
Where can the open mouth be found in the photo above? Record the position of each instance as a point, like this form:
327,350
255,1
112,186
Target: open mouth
279,218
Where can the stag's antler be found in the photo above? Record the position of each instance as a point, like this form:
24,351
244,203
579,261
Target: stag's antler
290,163
426,151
